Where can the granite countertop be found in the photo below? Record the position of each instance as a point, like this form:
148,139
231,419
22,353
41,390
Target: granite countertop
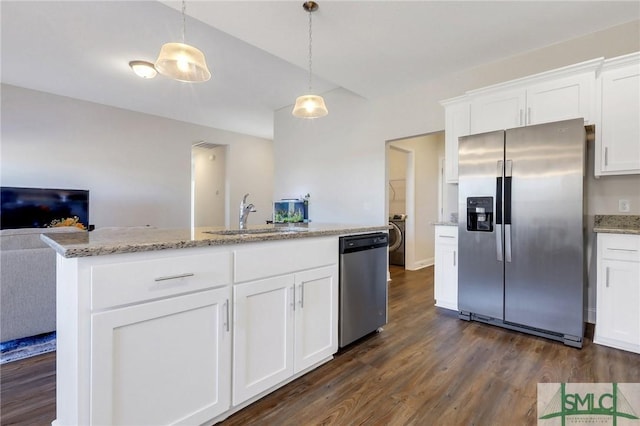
131,240
445,223
617,224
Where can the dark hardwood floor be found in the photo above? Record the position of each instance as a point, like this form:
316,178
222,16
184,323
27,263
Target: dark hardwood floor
426,368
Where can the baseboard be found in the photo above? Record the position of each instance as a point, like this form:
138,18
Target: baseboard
420,264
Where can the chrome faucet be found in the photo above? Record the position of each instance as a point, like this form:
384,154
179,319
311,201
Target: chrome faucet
245,209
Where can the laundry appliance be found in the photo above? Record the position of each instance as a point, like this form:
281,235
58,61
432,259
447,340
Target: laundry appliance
397,240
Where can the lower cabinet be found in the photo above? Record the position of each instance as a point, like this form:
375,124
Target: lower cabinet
446,267
187,336
162,362
316,317
618,292
282,326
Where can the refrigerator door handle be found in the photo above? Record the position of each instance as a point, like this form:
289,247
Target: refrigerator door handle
498,210
508,171
499,244
507,242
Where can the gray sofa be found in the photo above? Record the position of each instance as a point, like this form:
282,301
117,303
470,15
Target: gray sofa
27,283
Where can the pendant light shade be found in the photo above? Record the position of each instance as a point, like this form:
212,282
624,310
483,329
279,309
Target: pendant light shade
310,106
183,63
180,61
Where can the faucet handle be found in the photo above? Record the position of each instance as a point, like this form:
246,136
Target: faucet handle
244,199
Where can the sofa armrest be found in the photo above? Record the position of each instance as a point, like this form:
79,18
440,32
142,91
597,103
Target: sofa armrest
27,292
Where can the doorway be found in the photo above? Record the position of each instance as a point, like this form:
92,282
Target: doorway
421,187
208,185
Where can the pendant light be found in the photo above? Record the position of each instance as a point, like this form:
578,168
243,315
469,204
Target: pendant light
182,62
310,106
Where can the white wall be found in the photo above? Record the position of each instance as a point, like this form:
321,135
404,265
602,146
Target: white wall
136,166
337,159
350,141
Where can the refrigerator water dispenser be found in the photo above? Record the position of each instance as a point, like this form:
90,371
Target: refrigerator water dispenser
480,214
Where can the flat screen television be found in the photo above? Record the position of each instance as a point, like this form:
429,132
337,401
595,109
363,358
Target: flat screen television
39,207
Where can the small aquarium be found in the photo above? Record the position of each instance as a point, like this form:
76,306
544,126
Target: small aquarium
290,211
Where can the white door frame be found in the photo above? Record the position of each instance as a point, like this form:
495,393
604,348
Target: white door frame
409,233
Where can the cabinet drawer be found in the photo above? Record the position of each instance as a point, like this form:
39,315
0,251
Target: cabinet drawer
446,234
130,282
620,247
269,259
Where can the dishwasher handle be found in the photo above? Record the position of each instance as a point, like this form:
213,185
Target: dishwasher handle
356,243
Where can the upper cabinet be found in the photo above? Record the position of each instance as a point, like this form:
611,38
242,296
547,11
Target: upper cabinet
618,131
457,121
556,95
498,110
562,98
561,94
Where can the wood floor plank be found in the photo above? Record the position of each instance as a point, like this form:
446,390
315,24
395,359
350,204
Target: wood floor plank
427,367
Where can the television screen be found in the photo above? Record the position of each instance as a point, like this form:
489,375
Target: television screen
40,207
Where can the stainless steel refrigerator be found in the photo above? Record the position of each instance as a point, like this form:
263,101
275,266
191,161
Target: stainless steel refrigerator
521,234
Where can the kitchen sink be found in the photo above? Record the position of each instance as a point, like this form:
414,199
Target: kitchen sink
279,230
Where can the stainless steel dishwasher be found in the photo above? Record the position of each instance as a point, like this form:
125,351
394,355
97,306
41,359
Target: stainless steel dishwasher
363,285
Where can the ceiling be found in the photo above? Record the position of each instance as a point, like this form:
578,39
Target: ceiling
257,50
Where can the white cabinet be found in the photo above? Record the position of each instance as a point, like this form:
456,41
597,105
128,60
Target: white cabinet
263,335
618,291
316,316
446,267
554,95
160,338
162,362
457,116
543,99
497,111
562,99
282,326
184,336
618,132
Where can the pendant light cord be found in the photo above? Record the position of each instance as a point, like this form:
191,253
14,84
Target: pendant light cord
184,11
310,56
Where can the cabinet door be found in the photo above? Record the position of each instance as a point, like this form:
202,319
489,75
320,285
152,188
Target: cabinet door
561,99
620,126
162,362
316,316
446,269
263,333
457,121
498,111
618,315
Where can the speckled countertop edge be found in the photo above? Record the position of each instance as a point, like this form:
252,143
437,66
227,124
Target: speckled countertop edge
445,223
617,224
133,240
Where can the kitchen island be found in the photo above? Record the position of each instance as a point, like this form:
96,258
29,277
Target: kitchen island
158,326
